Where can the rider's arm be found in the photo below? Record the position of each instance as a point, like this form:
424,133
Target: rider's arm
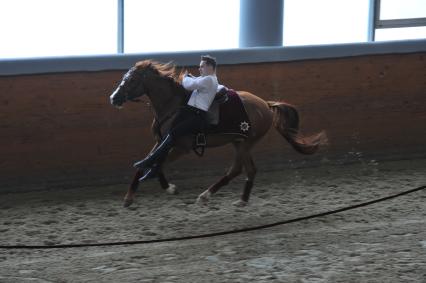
220,87
191,83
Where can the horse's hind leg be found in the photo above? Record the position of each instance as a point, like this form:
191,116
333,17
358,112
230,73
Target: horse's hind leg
233,172
251,173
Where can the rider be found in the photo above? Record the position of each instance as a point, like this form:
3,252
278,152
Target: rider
190,119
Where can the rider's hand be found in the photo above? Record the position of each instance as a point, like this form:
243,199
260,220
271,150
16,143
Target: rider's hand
186,74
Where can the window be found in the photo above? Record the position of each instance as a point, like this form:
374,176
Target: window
402,9
308,22
400,19
170,25
39,28
400,33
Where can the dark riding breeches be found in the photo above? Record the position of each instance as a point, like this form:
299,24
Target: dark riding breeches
189,120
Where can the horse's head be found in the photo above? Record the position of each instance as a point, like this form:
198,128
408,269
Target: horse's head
131,87
157,80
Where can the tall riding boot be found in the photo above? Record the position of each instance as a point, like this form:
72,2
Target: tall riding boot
159,153
151,172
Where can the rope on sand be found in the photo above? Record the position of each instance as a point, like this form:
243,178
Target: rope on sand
209,235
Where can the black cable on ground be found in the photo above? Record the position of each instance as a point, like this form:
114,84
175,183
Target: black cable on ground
208,235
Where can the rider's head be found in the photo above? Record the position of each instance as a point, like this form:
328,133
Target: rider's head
207,65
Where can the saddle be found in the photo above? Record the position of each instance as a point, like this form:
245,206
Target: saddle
222,96
232,119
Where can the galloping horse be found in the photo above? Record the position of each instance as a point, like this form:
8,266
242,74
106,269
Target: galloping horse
162,85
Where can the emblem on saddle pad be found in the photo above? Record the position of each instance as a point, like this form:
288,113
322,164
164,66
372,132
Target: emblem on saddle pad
244,126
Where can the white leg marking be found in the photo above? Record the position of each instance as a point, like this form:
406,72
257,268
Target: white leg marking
204,197
240,203
172,189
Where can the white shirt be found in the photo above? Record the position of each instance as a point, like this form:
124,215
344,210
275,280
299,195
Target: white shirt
203,90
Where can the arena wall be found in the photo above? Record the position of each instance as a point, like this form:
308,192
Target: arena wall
59,129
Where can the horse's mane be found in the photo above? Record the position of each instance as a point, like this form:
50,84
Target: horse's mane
165,70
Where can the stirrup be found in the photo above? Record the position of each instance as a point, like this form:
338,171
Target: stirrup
200,140
200,144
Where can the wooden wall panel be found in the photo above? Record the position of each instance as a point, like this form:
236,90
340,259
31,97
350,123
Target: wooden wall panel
60,128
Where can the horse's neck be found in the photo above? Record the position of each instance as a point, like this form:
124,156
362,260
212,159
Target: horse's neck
165,102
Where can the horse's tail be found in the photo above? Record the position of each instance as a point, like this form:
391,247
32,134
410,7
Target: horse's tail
286,122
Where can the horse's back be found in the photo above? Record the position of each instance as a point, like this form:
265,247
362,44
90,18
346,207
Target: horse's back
258,112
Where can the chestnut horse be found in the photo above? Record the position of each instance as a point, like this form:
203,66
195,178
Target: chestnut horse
160,83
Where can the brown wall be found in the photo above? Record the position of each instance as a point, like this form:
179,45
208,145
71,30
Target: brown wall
60,128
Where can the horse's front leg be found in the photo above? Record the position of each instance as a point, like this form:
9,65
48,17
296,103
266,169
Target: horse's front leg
170,188
165,185
173,155
131,192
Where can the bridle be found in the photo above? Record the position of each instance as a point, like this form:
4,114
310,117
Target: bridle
141,89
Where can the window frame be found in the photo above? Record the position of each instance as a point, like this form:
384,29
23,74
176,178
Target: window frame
120,27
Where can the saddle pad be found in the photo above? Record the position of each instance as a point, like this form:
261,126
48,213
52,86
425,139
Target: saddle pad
233,118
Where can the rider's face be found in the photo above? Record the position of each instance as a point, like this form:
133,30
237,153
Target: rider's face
205,70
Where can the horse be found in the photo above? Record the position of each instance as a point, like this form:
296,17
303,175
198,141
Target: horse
162,85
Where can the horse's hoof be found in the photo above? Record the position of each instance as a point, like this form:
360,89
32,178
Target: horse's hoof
127,202
172,189
204,198
240,203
